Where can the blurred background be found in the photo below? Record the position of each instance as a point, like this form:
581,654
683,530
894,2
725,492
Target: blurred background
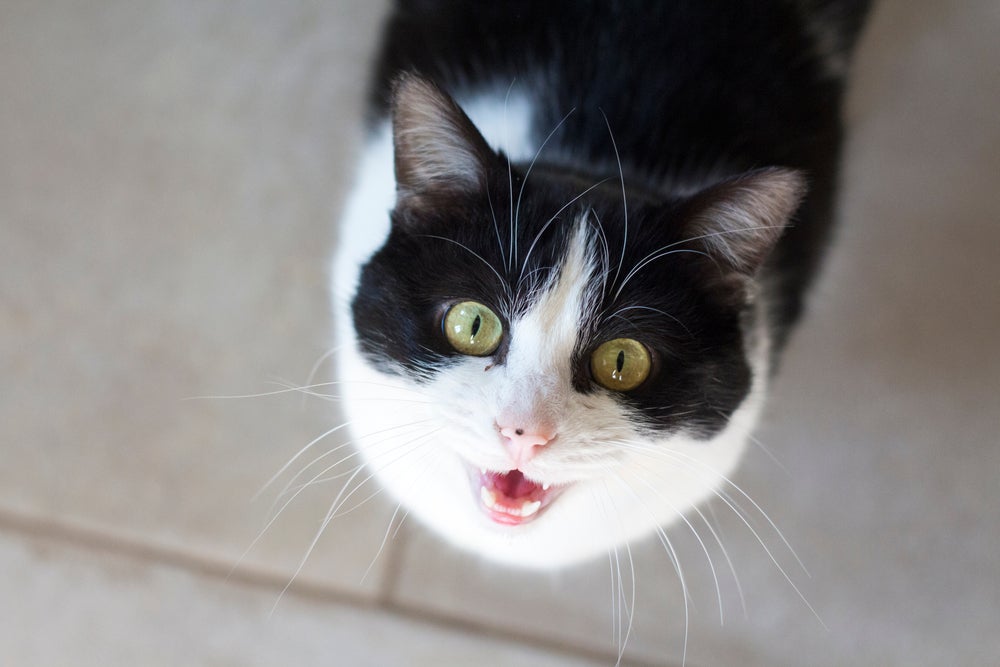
170,175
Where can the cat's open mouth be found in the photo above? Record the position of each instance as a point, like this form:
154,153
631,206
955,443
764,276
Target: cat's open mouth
510,498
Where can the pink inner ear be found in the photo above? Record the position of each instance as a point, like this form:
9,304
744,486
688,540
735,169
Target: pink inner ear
739,221
437,148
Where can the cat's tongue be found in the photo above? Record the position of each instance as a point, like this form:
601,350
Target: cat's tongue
513,484
510,498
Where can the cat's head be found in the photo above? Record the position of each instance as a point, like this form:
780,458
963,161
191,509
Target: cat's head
555,362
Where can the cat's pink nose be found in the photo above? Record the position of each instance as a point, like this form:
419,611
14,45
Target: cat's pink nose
523,444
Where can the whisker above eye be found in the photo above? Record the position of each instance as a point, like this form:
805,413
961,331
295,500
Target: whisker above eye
552,219
524,180
496,226
503,283
624,309
642,264
621,176
510,179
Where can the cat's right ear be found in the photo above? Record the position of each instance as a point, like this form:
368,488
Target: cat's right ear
439,153
738,222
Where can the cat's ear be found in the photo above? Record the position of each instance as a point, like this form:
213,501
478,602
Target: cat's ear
438,151
739,221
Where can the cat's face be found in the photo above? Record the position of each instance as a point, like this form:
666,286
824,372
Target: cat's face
543,368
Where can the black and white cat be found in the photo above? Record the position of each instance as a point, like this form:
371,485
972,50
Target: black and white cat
579,236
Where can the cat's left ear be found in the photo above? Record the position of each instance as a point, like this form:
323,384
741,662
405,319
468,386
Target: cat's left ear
438,151
739,221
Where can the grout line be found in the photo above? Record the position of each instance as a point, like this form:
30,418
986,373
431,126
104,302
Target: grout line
552,645
96,538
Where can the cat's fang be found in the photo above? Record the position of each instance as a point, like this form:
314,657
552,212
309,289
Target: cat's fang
529,509
488,497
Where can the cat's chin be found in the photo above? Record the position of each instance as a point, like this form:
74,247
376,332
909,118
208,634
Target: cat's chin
508,497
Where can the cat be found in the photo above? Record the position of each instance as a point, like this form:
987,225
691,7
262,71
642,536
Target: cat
580,235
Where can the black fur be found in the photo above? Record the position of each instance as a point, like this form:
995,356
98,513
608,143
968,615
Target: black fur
694,92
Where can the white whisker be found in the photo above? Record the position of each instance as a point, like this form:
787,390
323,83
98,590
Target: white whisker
496,226
524,181
288,486
618,313
690,462
621,175
319,363
701,542
548,222
331,514
716,530
288,388
510,179
631,599
392,519
288,502
500,279
660,254
295,457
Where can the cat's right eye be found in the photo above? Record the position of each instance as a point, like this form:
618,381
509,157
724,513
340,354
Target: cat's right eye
472,328
621,364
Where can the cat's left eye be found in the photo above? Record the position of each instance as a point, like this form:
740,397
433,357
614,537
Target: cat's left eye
472,328
621,364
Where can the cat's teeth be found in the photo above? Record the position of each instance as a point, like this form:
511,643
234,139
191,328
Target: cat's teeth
482,470
530,508
545,487
488,497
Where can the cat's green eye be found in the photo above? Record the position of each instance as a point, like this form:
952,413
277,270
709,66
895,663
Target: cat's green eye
473,329
620,364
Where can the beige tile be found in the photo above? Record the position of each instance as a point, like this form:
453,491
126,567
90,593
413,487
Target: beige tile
167,198
884,419
167,191
80,607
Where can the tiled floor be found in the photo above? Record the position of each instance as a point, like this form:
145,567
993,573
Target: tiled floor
169,179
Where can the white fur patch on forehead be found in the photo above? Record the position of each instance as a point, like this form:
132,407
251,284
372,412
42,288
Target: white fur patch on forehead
545,336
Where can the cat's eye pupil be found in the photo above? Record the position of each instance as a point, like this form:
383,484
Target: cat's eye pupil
472,328
609,368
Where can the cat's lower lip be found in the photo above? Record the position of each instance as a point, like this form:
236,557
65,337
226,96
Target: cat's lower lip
509,498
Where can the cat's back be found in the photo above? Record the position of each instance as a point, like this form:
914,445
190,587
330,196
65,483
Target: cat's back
684,85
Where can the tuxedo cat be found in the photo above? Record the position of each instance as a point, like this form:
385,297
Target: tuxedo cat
579,236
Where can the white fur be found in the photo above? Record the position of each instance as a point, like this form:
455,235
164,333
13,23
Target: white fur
415,439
